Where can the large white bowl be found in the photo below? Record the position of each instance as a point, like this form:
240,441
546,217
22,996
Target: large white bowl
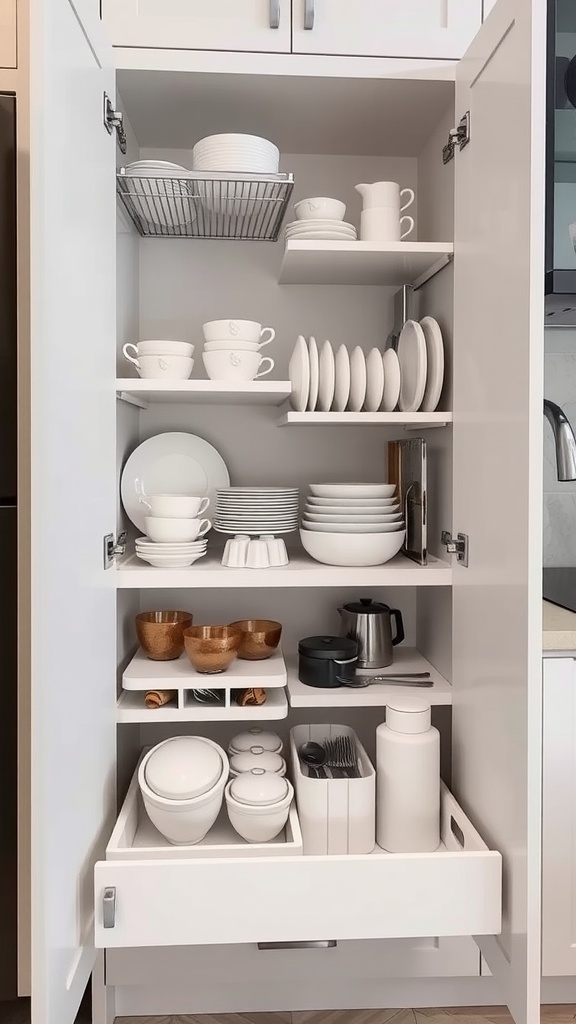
354,503
353,548
353,491
184,822
352,527
320,208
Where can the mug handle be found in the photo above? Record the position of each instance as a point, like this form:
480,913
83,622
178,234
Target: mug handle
205,525
203,506
411,228
410,201
129,357
265,359
268,340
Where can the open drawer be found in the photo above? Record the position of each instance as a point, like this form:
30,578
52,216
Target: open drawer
157,896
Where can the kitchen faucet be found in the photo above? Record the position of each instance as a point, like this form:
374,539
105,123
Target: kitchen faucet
564,439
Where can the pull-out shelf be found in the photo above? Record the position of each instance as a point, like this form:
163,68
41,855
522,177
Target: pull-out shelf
165,898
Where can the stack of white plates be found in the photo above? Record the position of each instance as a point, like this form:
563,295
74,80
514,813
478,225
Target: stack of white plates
247,153
352,524
256,510
170,556
162,203
329,230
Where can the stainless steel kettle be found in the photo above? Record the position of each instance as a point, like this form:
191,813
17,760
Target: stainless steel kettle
370,624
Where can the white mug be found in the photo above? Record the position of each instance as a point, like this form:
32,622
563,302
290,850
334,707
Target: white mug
175,506
164,367
385,193
157,348
237,330
167,530
383,225
235,365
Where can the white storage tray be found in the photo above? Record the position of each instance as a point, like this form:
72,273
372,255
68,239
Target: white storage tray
336,815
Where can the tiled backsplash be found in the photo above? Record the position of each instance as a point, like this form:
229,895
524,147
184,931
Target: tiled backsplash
559,498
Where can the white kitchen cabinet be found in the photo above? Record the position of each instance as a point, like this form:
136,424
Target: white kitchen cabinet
8,38
478,625
385,28
252,25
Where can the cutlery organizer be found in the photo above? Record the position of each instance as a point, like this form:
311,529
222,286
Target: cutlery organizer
337,816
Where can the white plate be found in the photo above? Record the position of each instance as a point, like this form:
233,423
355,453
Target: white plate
172,463
314,374
257,531
358,503
352,491
299,373
435,354
413,366
391,380
257,491
177,563
326,378
352,527
357,380
327,223
342,381
374,380
322,236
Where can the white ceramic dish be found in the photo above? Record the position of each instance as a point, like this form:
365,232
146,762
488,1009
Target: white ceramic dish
238,330
299,373
183,767
413,366
167,531
236,365
174,462
314,361
326,378
391,380
171,549
322,235
354,549
374,381
159,348
354,502
342,379
320,208
354,510
353,490
435,362
183,822
170,562
179,506
258,824
164,367
325,222
231,346
357,380
321,517
355,528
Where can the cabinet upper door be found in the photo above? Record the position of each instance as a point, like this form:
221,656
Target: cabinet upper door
251,25
7,33
498,356
385,28
73,490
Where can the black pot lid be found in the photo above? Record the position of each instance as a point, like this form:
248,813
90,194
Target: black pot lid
333,648
366,606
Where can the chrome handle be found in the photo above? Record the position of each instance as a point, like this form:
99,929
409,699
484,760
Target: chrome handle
109,907
274,13
309,15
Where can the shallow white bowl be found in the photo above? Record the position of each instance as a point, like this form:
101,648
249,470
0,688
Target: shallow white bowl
320,517
386,504
353,548
353,527
163,563
320,207
353,491
258,824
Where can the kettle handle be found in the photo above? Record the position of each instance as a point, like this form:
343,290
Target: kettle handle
396,614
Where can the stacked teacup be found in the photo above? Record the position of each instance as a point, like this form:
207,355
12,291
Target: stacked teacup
161,360
232,350
175,533
382,207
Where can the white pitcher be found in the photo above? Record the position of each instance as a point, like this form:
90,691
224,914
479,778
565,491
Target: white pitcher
385,194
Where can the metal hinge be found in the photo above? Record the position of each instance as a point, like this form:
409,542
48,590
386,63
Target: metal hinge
114,120
458,547
109,907
459,136
113,548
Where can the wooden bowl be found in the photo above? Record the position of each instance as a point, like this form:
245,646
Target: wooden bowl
212,648
161,633
260,638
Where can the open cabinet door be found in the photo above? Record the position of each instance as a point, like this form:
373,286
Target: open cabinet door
498,331
73,459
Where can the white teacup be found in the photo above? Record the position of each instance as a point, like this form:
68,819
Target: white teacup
385,193
227,346
384,225
165,530
175,506
237,330
235,365
165,367
158,348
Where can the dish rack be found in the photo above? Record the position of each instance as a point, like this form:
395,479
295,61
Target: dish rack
248,207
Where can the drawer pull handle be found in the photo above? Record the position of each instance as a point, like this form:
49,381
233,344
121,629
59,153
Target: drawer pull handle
323,944
309,14
109,907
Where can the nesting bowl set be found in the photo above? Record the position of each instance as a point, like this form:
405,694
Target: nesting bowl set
165,635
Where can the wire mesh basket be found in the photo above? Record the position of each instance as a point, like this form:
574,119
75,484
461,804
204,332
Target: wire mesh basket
207,205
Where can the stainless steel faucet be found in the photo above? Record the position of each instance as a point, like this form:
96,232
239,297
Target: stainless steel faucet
564,440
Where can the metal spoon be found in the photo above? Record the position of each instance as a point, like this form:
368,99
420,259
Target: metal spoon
313,755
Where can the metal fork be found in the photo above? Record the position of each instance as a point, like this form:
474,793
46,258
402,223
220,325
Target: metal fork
341,754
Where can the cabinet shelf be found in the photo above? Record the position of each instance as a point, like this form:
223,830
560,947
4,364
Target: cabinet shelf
131,708
142,392
416,420
386,263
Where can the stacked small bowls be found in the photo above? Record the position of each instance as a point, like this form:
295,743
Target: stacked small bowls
161,360
319,218
175,535
352,524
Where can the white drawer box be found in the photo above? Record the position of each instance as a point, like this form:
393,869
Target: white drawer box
8,34
179,902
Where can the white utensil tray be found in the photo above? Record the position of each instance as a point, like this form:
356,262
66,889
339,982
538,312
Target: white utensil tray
337,816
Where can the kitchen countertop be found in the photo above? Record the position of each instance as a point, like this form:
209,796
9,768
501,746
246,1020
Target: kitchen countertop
558,628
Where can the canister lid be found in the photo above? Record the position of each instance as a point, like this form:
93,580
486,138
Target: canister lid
183,767
259,787
408,715
331,648
366,606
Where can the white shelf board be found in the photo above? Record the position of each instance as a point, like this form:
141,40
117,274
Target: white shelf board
419,420
302,571
203,392
390,263
406,659
131,708
144,674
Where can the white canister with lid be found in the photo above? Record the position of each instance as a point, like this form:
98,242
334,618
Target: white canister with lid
408,779
255,737
257,757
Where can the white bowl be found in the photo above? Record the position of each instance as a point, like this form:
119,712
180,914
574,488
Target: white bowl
184,822
353,491
320,208
353,527
386,504
258,824
165,367
165,348
352,549
175,506
165,530
263,737
344,517
231,346
183,767
160,562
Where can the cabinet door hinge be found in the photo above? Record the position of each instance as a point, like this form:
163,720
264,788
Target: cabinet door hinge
113,547
109,907
458,547
459,136
114,121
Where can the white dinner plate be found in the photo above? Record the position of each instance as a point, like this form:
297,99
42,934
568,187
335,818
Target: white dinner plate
357,380
351,502
257,531
342,381
224,492
326,378
374,380
328,223
299,373
435,355
338,491
391,380
324,236
413,366
314,374
172,463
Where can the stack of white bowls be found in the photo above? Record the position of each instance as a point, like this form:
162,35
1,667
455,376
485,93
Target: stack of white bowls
232,349
320,218
182,781
175,533
161,203
161,360
352,524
